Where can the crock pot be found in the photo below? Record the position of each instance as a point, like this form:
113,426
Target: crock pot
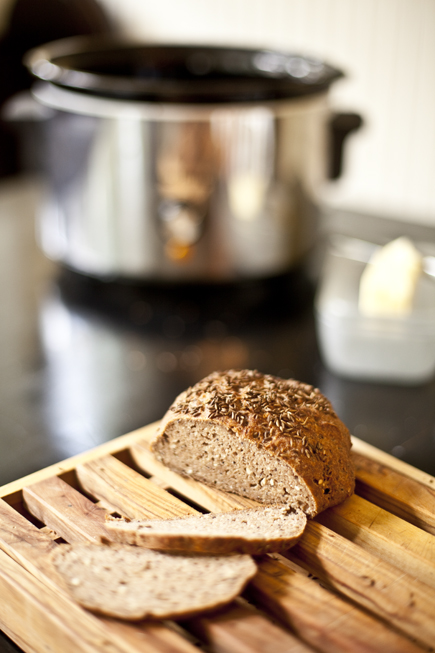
182,163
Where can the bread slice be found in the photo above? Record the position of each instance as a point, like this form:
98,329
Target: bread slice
254,531
132,583
259,436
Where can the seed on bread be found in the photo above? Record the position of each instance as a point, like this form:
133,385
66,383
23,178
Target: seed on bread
284,432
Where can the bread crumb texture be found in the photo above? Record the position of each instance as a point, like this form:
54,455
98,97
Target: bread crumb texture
132,583
270,439
268,529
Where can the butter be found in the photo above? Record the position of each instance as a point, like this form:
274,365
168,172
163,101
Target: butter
389,280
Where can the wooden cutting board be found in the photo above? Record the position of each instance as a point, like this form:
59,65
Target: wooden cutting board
361,579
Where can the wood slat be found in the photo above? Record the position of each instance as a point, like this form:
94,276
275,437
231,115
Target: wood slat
133,495
32,593
395,492
244,629
362,448
25,646
59,506
30,547
381,533
357,620
385,535
148,636
136,496
110,510
319,617
124,504
70,514
21,540
323,620
406,603
38,614
67,495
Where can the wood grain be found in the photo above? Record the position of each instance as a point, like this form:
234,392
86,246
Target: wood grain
397,493
25,599
133,495
125,503
60,506
70,514
21,540
354,626
319,617
379,532
386,591
372,453
147,636
244,629
25,646
16,537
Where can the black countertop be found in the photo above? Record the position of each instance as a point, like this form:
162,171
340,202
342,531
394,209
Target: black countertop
83,362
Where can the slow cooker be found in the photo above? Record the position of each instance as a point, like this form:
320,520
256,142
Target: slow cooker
182,163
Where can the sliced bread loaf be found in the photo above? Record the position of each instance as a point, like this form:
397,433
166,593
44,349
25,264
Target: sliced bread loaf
255,531
132,583
259,436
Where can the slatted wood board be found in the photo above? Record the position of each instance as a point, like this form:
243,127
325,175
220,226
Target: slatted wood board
361,579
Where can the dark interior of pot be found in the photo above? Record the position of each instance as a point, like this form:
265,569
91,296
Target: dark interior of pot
180,73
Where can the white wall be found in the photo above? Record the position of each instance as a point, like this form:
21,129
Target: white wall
387,48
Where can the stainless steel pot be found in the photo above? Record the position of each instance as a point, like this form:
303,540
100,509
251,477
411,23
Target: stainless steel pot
181,163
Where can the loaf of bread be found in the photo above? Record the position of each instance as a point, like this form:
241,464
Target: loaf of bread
259,436
258,530
133,583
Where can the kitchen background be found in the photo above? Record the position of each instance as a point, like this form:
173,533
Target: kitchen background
386,48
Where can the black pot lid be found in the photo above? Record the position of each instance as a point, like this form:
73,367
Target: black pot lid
178,73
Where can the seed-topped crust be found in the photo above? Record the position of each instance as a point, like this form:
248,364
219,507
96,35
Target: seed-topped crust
287,419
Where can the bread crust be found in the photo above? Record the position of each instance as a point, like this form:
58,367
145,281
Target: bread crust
284,418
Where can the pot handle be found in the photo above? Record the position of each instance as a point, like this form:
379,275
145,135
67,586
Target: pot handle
341,125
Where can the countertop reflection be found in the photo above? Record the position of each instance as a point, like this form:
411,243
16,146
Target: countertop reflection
83,361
